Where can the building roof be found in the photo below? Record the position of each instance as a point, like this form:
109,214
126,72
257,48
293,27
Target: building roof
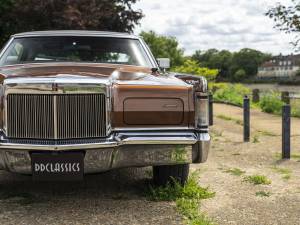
277,61
75,33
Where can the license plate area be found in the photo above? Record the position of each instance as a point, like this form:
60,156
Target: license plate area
57,166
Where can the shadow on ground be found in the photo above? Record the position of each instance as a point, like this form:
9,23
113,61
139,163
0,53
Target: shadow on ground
114,197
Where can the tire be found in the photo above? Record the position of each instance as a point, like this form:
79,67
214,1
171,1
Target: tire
165,174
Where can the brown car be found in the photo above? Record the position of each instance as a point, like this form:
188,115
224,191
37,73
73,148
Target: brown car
75,102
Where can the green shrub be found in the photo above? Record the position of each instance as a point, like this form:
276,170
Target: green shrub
257,179
295,107
239,75
271,103
231,93
193,67
187,198
174,190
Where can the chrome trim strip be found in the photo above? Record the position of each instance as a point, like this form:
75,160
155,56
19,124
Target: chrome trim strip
75,33
55,115
6,47
151,128
119,139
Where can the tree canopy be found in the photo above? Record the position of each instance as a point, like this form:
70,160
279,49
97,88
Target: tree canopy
193,67
232,65
28,15
164,47
287,18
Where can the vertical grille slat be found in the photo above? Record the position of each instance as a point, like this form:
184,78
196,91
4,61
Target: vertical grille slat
59,116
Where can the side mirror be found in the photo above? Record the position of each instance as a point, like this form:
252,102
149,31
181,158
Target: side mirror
163,63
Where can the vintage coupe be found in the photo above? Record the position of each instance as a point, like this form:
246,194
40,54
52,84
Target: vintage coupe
75,102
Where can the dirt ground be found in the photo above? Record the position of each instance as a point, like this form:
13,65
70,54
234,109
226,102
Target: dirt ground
117,197
236,201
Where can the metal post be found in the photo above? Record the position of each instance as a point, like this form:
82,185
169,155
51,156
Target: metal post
246,119
211,112
285,97
255,95
286,132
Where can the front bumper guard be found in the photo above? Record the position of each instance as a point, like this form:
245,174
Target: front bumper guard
121,149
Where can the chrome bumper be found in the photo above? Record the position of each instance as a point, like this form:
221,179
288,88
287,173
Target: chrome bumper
121,149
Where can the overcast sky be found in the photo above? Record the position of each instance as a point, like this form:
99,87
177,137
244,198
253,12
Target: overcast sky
221,24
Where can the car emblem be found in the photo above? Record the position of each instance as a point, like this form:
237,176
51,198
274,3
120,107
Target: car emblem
54,87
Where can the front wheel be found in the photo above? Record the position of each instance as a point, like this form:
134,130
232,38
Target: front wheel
164,174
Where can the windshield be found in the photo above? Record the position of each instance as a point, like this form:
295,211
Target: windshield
75,49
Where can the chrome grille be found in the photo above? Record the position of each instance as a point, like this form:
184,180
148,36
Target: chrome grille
58,116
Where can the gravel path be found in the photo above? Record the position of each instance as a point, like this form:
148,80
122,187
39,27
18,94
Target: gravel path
117,197
236,201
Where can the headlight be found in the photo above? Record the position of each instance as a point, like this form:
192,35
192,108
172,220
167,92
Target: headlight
201,110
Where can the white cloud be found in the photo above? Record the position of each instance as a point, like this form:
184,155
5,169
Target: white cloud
226,24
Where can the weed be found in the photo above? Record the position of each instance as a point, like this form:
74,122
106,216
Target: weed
263,194
173,191
293,156
189,208
281,170
187,198
224,117
235,171
255,139
257,179
286,177
267,133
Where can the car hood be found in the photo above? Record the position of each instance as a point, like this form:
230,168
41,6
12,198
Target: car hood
74,72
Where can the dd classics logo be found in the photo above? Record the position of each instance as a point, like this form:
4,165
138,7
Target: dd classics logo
57,167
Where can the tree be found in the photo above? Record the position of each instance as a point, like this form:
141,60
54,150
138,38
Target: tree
29,15
215,59
164,47
193,67
287,18
249,60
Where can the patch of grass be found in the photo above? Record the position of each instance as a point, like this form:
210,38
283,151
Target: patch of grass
293,156
267,133
173,191
287,177
263,194
216,133
228,118
255,139
230,93
189,208
281,170
187,198
257,179
235,171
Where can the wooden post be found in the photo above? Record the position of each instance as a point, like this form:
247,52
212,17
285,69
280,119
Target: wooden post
246,107
255,95
211,112
286,132
285,97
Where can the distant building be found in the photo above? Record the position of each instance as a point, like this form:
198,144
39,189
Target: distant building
280,66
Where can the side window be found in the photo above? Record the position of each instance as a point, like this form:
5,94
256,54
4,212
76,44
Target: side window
15,54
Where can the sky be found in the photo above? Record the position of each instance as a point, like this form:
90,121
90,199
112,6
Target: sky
220,24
